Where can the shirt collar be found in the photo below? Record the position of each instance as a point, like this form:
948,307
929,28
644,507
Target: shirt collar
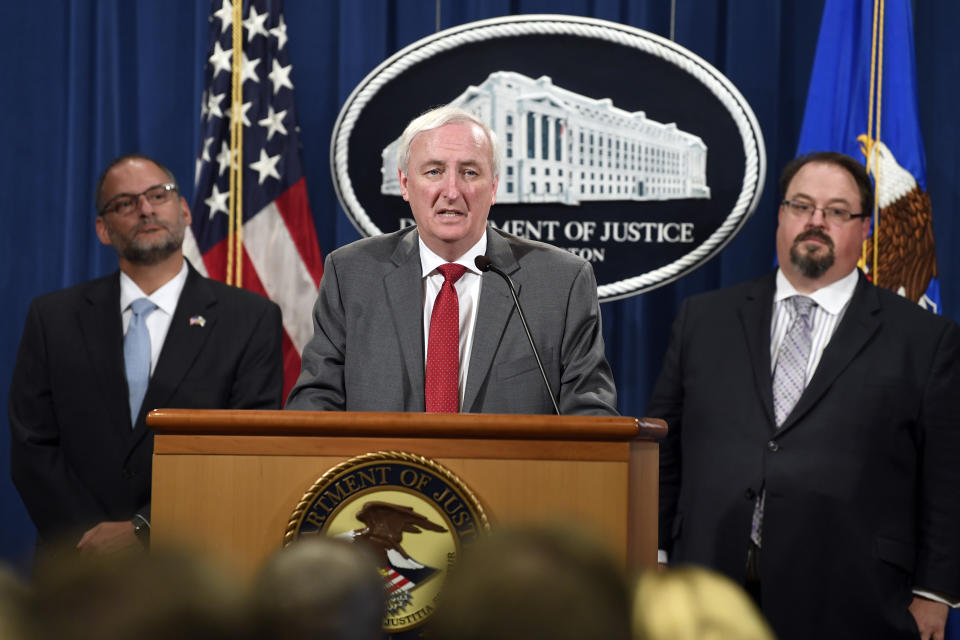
430,261
832,298
165,297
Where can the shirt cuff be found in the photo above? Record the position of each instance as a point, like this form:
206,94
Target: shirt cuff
936,597
662,556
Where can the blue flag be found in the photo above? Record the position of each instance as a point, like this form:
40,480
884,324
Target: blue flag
863,102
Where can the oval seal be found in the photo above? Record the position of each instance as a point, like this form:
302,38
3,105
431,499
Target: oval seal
634,153
415,515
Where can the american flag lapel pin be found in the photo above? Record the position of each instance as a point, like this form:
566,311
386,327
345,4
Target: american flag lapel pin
198,321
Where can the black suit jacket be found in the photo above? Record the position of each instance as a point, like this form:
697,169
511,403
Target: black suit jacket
861,479
75,459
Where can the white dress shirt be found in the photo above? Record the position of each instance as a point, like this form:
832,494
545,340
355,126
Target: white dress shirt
158,322
468,295
832,301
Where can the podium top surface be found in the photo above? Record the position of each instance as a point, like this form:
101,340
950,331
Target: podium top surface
413,425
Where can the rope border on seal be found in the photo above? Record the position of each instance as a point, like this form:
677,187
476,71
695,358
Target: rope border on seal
514,26
299,512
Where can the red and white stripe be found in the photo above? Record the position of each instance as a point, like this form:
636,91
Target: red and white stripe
395,582
281,261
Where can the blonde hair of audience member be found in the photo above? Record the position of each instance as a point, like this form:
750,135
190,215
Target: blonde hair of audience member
13,602
320,587
534,582
692,603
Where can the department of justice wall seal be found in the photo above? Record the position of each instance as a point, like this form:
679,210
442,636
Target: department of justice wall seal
617,145
413,513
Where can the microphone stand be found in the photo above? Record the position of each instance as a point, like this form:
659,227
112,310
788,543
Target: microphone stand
485,264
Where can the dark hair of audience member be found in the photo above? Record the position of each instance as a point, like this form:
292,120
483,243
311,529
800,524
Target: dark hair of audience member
137,596
320,587
534,582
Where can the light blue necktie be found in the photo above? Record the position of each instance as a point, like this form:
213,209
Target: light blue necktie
136,355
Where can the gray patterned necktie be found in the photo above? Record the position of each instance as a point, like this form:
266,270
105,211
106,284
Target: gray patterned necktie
788,383
791,370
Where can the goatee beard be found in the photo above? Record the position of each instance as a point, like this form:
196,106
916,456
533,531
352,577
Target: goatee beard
147,255
810,265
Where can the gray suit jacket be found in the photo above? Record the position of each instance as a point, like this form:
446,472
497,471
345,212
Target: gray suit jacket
367,353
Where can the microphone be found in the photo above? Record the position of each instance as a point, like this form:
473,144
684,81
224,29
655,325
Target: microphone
485,264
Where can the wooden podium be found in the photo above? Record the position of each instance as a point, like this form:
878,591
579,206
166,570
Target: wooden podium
227,482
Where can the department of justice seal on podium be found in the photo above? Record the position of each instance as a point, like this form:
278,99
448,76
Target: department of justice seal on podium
413,513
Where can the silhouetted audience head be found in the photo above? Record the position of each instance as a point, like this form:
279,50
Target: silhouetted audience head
320,588
137,597
534,582
692,603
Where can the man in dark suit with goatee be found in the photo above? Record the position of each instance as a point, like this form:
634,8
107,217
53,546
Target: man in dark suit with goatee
814,440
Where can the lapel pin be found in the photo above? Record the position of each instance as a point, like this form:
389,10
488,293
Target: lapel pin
198,321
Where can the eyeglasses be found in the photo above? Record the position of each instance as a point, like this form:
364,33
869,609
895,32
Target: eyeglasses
125,204
832,214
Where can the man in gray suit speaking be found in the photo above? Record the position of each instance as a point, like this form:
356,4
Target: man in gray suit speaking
406,321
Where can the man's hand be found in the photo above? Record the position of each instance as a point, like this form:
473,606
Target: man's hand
931,617
108,537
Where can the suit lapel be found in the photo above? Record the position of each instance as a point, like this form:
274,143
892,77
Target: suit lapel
860,322
755,316
102,326
404,291
493,312
183,342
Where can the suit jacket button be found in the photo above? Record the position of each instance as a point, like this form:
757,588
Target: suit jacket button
750,494
773,446
127,474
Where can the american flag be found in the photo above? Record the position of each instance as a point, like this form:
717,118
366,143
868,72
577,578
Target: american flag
265,240
398,590
395,582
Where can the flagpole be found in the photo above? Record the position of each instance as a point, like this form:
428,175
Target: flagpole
237,125
235,216
876,166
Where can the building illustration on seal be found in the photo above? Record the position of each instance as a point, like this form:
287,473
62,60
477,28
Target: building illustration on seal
561,147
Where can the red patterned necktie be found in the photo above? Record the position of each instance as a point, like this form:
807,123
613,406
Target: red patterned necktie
443,350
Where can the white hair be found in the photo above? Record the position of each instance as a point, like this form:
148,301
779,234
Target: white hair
439,117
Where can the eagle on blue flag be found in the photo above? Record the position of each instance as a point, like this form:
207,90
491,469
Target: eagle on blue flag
906,258
862,101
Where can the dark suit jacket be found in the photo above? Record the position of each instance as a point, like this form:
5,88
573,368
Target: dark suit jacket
74,457
367,353
862,500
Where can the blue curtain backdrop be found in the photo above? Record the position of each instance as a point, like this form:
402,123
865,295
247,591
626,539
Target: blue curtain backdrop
86,80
